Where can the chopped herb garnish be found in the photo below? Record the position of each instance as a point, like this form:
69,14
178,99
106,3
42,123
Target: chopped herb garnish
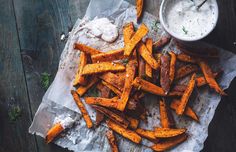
14,113
185,31
155,25
45,80
125,61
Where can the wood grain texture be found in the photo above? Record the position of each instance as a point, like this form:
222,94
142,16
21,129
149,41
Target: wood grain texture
14,137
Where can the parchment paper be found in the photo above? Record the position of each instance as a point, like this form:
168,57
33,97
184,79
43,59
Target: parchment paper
58,102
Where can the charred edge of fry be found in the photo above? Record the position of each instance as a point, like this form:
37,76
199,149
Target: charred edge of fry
114,89
164,40
187,93
112,140
186,58
79,79
185,71
172,66
82,109
166,118
165,72
53,132
99,118
201,81
129,134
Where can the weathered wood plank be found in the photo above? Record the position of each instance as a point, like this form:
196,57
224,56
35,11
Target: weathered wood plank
14,136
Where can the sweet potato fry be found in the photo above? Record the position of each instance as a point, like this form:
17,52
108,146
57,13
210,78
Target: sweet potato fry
102,67
188,111
148,87
148,68
148,134
113,79
201,81
169,143
141,67
131,135
53,132
168,132
206,70
185,71
112,141
82,109
175,94
138,35
139,8
130,75
108,56
104,90
109,103
166,118
79,78
99,118
133,123
147,56
162,42
165,72
187,93
128,31
83,89
179,88
86,49
114,89
186,58
113,116
172,66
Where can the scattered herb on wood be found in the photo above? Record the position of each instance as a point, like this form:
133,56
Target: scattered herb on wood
45,79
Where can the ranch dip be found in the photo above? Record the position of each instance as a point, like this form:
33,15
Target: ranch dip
185,21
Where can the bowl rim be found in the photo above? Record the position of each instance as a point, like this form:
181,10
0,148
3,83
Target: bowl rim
163,23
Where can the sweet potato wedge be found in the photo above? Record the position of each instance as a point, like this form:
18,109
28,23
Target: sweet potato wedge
130,75
108,56
86,49
109,103
175,94
102,67
79,78
201,81
185,71
128,31
172,66
138,35
165,73
186,58
141,67
148,134
188,111
162,42
133,123
83,89
148,68
147,56
206,70
131,135
53,132
169,143
166,118
187,93
112,88
113,79
82,109
139,8
168,132
113,116
148,87
112,141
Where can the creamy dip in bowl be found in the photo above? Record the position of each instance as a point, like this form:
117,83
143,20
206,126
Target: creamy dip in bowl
185,21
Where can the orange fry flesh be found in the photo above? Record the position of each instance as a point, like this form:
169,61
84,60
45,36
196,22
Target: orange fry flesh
148,68
168,132
113,79
169,143
133,123
148,134
185,71
86,49
188,111
112,141
148,87
109,103
83,89
206,70
187,93
82,109
53,132
129,134
165,118
112,88
138,35
172,66
79,79
130,74
128,31
139,8
108,56
102,67
186,58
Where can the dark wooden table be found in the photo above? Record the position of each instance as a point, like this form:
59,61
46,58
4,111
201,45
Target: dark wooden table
30,45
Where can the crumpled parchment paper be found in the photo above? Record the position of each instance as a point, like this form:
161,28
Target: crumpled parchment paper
58,102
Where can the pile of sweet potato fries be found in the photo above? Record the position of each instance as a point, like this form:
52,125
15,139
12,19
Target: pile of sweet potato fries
124,76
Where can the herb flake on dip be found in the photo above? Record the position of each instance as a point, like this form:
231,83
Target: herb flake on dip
183,20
